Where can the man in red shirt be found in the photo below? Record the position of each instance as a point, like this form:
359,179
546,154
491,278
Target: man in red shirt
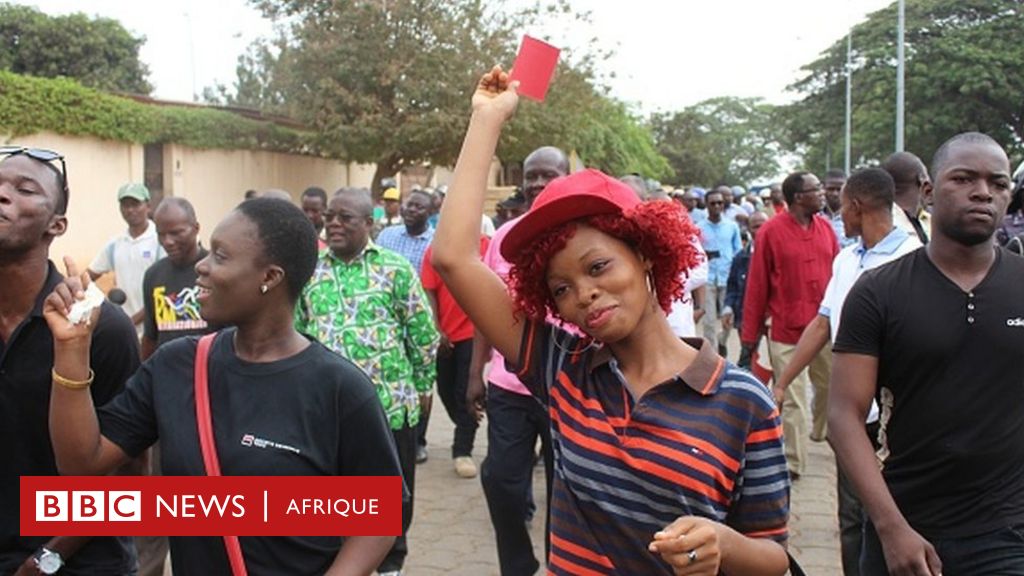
789,270
454,356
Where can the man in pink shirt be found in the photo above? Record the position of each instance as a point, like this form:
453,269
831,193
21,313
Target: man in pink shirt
515,418
789,270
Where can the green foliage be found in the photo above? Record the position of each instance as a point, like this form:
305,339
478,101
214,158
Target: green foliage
576,116
390,83
720,140
98,52
964,71
29,105
614,141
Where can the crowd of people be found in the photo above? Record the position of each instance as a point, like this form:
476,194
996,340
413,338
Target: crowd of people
588,321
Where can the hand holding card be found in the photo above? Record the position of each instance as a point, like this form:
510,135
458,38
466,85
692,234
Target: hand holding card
534,67
495,93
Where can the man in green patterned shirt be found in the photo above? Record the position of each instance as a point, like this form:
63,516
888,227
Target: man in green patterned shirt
367,304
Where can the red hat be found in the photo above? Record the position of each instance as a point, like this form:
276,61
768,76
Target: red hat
585,193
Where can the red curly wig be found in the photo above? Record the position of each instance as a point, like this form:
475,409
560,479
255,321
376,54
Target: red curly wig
661,231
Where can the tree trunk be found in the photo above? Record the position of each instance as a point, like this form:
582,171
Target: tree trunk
387,167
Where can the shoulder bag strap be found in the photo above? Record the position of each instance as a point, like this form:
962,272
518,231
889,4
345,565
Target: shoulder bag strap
794,568
206,442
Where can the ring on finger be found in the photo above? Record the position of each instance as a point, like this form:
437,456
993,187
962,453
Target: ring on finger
691,556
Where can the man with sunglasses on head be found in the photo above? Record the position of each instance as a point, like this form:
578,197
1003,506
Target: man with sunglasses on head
789,270
129,255
33,203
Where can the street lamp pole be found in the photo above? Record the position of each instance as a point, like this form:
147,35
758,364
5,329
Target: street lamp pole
849,96
899,75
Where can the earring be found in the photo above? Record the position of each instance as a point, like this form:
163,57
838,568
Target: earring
263,289
650,282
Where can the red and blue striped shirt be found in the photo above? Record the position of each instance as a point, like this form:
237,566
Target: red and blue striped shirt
706,443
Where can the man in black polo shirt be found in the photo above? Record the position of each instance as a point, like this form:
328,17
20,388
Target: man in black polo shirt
33,202
938,337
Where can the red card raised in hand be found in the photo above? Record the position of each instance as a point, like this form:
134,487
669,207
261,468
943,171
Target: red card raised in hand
534,67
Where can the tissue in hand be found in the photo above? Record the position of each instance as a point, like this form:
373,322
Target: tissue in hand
82,309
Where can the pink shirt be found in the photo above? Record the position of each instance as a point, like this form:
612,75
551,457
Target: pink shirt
498,375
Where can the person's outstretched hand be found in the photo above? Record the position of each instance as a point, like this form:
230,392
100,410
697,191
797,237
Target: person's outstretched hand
496,93
58,304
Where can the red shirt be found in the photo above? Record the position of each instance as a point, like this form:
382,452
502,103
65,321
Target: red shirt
789,270
454,322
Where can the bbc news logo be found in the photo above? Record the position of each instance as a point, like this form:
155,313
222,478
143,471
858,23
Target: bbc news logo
211,506
89,506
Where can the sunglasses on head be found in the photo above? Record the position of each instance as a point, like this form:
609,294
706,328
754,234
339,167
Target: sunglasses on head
46,157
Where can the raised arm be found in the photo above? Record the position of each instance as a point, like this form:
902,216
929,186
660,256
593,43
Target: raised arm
478,290
78,446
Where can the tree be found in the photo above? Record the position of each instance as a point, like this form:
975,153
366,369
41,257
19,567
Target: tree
577,115
964,71
98,52
720,140
389,82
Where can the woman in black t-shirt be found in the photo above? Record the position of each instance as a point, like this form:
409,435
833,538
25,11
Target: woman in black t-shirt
265,379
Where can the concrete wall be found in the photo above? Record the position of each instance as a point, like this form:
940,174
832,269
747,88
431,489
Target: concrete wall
213,180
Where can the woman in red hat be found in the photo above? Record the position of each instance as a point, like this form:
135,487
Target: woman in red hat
668,459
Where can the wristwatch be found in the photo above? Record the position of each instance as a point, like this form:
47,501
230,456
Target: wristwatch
48,561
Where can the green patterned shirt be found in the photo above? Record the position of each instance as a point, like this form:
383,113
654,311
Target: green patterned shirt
374,312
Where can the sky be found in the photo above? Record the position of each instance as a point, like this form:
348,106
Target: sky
668,54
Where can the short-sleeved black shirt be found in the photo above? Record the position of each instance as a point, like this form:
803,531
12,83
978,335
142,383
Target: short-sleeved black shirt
25,381
319,412
169,296
951,388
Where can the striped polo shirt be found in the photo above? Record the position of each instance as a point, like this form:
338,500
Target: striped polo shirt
706,443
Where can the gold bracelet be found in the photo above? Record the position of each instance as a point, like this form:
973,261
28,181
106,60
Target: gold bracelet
73,384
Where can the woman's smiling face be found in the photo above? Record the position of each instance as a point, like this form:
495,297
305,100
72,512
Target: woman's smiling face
230,276
598,283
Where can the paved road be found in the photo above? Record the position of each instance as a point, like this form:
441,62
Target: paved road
451,533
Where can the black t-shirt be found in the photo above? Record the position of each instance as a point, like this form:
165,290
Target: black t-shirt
169,295
25,364
319,407
951,388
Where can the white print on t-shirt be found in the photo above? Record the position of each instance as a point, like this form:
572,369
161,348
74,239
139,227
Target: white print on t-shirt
251,440
1015,322
885,402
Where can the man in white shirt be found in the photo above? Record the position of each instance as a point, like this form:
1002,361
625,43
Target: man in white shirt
128,255
866,208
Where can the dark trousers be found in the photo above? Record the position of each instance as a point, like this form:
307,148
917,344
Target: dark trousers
421,427
514,422
452,380
996,553
851,515
405,442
